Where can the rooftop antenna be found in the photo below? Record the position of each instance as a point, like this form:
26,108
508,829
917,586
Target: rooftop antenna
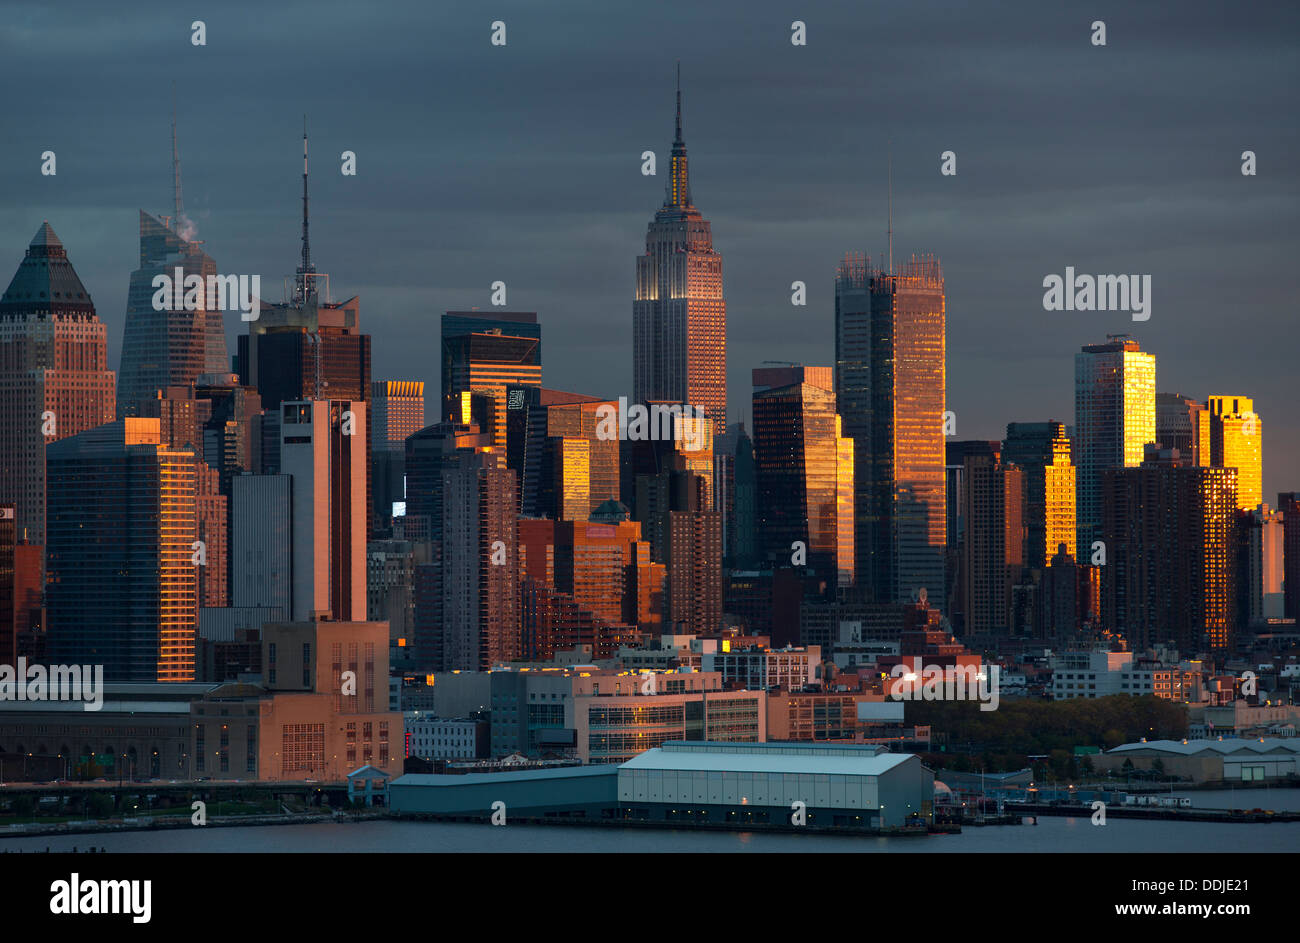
179,206
891,207
306,270
679,100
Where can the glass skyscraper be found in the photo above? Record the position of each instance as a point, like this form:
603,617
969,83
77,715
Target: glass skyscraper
890,387
166,348
1114,420
804,471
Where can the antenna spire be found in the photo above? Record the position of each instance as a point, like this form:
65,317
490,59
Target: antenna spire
891,207
679,181
305,272
678,139
178,203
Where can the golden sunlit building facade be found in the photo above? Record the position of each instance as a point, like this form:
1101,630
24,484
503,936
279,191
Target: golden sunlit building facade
1237,441
1114,421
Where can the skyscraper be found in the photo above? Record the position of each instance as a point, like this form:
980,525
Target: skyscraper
467,595
804,470
323,450
679,317
1042,450
122,580
54,376
487,353
397,411
1237,441
169,347
1170,554
993,542
397,408
1114,421
890,393
1182,423
308,348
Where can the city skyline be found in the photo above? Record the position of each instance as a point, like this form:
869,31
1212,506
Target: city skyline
829,193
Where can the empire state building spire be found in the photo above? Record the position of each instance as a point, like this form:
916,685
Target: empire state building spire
679,181
679,314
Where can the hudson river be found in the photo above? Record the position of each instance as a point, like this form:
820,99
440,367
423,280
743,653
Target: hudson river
1052,834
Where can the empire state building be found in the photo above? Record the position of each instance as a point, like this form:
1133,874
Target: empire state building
679,346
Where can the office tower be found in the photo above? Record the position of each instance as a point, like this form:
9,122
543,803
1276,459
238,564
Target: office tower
1183,424
171,347
467,595
890,392
122,581
1237,441
307,349
744,534
397,411
679,317
955,454
1260,564
1170,554
261,542
211,526
694,568
323,450
1114,421
1042,451
168,347
487,352
554,444
1060,596
992,542
805,475
232,427
54,376
480,608
180,416
390,592
1288,504
672,472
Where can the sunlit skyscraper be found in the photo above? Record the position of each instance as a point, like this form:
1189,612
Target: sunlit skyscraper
122,580
679,317
1114,420
487,352
54,376
1042,450
804,470
1237,441
890,387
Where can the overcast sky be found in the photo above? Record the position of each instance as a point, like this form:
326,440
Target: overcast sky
521,163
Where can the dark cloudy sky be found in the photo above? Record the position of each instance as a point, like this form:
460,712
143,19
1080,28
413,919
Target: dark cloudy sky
522,163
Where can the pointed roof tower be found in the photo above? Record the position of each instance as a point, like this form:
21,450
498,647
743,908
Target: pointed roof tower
46,282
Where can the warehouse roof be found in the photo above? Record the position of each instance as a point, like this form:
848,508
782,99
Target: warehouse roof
1225,747
809,762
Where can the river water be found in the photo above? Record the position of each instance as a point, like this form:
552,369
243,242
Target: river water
1051,834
